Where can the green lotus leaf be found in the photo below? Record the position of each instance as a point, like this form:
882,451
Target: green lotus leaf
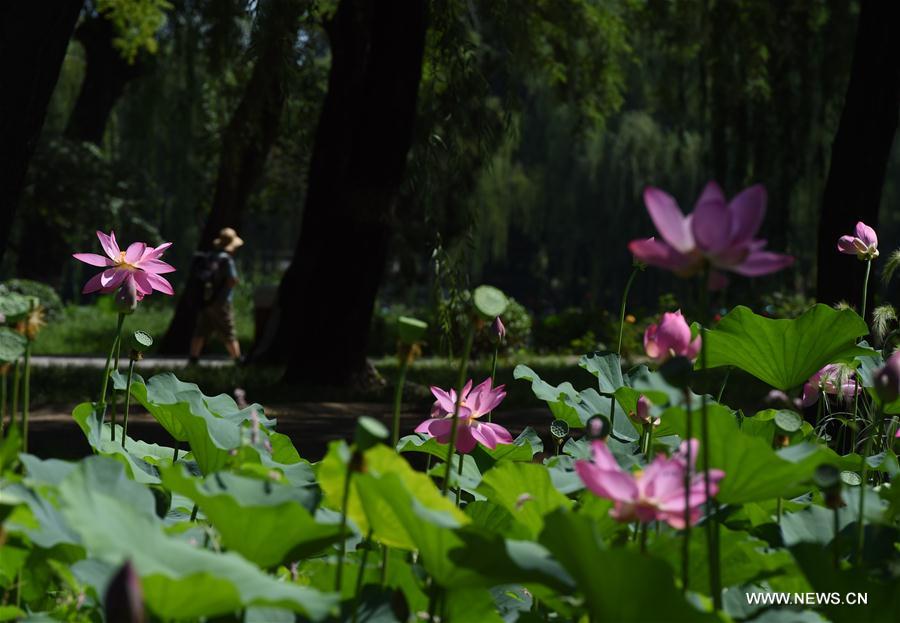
621,594
267,523
12,345
332,471
15,306
525,490
781,352
116,521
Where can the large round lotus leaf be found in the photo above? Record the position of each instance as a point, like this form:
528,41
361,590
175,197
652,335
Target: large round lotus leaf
12,345
489,301
14,306
411,330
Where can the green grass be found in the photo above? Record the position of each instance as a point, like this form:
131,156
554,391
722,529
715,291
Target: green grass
88,329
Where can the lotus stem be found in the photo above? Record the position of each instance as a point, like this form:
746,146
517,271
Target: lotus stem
194,513
463,368
861,524
175,453
360,576
3,402
643,531
836,545
398,398
339,576
493,375
866,290
26,396
114,397
686,543
15,394
459,471
101,402
634,272
128,399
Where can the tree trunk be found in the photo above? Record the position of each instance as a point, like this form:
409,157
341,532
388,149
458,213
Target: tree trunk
861,148
365,131
33,41
246,143
105,77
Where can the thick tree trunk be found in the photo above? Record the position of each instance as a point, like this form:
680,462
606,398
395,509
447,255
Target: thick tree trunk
365,131
33,41
105,77
861,148
246,143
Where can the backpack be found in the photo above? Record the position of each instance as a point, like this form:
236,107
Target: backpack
209,274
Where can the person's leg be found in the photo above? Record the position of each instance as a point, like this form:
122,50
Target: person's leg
196,348
234,348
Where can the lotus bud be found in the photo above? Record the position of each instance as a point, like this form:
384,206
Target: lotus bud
124,598
127,297
598,427
498,330
887,379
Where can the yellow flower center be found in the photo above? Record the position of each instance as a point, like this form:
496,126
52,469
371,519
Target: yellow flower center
121,263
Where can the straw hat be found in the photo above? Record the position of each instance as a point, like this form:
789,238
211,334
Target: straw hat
228,240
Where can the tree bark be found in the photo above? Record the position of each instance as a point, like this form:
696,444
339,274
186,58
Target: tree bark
365,131
246,143
33,41
105,77
861,149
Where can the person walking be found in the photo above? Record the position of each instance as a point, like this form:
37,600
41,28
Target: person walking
217,276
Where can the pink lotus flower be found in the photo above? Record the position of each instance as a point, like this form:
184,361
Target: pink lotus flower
718,233
657,493
139,262
670,338
470,431
863,245
833,379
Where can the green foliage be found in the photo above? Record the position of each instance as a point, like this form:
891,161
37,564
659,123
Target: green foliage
137,23
784,353
48,297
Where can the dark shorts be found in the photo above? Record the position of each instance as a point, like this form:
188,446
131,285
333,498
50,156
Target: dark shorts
216,319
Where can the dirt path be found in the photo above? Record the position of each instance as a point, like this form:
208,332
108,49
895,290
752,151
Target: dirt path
309,425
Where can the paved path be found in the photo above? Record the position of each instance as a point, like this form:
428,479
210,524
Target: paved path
90,361
311,426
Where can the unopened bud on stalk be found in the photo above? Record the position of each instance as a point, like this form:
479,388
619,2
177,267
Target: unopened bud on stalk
124,598
127,297
598,427
887,379
498,330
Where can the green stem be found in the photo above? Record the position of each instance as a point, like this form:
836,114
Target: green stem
634,272
866,290
175,453
15,394
686,543
612,416
398,399
724,383
711,524
115,396
26,396
459,471
836,545
861,524
101,402
194,512
493,374
643,530
127,400
3,402
385,552
779,510
361,575
343,531
461,381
